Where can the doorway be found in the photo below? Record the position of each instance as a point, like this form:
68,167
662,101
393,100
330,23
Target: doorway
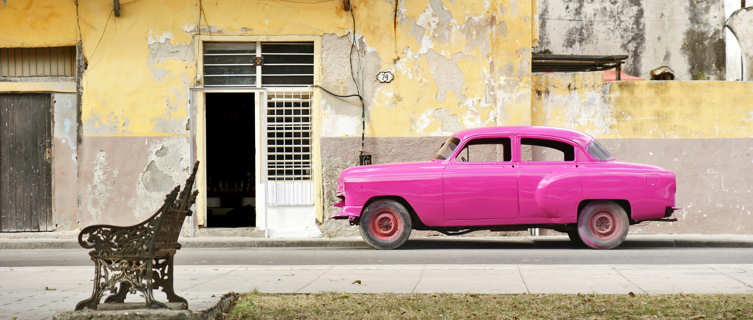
230,160
25,162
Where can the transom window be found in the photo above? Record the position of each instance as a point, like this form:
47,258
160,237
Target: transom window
258,64
486,150
533,149
59,62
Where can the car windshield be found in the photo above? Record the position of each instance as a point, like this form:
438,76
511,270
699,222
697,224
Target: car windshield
596,150
447,148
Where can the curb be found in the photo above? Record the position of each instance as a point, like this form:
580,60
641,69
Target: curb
272,243
217,311
193,243
635,241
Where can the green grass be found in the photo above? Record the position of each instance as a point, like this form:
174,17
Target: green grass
491,306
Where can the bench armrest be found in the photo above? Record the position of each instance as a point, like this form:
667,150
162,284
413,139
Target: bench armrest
116,240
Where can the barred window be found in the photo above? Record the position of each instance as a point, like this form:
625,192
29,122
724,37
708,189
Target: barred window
288,124
229,64
283,64
287,64
38,62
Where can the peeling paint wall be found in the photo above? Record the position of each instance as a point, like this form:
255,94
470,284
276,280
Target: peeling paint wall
687,36
701,130
125,179
457,64
65,161
644,109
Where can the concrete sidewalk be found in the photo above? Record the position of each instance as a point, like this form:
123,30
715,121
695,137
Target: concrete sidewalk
40,292
68,240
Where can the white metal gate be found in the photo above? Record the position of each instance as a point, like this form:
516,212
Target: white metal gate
288,158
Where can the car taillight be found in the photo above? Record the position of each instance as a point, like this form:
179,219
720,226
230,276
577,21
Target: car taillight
340,203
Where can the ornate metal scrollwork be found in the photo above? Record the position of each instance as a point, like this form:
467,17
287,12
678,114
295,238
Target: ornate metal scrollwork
139,257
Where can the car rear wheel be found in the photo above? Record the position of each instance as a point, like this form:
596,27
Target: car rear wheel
385,224
603,224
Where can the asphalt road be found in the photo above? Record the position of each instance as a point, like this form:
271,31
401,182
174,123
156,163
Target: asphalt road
445,252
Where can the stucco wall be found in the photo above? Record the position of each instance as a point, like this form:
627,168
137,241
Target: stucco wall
457,64
687,36
65,161
701,130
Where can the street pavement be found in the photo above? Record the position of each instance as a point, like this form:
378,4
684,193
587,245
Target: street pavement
435,254
35,284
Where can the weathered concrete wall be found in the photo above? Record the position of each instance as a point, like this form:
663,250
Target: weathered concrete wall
687,36
123,180
342,152
65,161
701,130
457,64
741,24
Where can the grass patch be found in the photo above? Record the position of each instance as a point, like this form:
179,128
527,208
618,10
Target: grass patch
491,306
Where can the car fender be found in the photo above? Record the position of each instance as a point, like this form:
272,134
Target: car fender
558,195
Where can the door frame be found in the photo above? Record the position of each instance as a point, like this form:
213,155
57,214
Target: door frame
197,107
198,101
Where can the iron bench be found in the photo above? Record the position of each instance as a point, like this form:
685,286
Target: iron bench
139,257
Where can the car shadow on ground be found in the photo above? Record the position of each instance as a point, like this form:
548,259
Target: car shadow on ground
429,244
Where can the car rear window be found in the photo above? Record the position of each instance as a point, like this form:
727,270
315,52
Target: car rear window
535,149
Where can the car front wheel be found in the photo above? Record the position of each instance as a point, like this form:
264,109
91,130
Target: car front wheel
385,224
603,224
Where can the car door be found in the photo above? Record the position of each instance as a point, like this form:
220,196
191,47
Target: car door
481,182
542,157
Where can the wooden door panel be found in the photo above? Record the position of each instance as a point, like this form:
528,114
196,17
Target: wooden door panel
25,164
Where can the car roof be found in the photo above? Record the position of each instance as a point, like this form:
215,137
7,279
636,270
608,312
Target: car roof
575,136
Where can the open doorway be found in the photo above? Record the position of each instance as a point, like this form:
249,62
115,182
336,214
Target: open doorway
230,148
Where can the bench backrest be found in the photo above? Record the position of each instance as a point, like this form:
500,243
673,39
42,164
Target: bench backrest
173,215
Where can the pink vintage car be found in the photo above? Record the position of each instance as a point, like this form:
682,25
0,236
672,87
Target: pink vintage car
507,178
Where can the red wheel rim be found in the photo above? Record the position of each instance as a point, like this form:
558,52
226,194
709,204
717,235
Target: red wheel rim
603,225
385,224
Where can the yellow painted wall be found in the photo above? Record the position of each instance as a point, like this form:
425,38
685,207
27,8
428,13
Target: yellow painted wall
457,64
39,23
643,109
141,64
487,47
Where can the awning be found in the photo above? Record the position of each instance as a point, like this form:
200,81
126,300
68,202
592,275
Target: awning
580,63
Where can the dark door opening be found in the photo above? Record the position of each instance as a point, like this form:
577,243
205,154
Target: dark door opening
25,162
231,142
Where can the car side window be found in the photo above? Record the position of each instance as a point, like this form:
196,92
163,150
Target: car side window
486,150
534,149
